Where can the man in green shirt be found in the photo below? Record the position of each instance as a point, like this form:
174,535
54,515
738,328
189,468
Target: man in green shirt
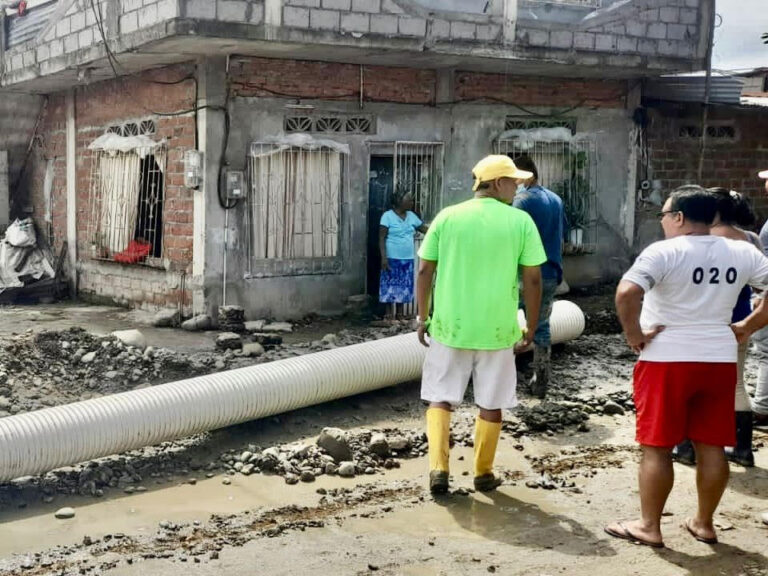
476,248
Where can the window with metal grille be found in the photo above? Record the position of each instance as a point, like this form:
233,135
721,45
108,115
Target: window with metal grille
295,200
528,123
126,205
568,167
418,171
329,124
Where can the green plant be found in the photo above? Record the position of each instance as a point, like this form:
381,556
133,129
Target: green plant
575,190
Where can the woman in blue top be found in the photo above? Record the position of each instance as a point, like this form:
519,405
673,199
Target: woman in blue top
397,229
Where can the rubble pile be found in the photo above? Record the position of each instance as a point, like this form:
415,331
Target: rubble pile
231,319
549,416
57,367
336,452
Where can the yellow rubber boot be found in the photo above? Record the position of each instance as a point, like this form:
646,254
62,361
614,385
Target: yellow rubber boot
486,440
438,438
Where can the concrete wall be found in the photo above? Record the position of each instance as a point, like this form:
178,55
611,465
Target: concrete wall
468,130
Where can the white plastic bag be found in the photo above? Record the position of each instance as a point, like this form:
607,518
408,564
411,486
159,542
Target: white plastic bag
21,233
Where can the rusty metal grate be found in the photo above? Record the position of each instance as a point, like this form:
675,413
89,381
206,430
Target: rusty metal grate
126,204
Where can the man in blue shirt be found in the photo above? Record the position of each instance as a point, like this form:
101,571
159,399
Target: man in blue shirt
546,209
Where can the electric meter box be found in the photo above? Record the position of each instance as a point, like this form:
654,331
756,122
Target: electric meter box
193,168
235,183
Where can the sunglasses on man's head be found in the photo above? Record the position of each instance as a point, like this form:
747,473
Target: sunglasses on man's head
663,213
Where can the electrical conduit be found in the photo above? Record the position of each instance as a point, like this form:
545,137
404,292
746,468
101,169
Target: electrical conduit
44,440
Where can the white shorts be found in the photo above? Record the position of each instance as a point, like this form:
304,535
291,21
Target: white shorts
447,371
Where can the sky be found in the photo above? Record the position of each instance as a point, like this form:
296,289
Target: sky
737,40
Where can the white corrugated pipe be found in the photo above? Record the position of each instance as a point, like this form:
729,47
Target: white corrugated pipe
47,439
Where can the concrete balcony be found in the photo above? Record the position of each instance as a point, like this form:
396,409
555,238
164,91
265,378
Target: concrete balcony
59,43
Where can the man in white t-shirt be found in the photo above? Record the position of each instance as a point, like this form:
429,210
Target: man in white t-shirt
675,306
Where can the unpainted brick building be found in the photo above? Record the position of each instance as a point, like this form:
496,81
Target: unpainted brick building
307,114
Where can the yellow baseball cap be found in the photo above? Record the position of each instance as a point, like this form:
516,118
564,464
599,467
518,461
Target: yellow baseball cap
764,175
497,166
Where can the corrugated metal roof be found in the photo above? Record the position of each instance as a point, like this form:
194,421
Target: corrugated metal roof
724,89
22,29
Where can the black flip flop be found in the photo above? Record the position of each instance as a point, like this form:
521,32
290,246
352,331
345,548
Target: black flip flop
629,537
696,536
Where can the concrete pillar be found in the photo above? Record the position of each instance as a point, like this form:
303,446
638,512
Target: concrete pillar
5,199
3,40
273,17
506,9
112,18
628,215
72,191
208,242
445,85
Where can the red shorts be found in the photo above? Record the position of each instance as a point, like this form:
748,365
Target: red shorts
679,400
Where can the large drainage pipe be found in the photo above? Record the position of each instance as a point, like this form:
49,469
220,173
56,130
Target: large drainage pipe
44,440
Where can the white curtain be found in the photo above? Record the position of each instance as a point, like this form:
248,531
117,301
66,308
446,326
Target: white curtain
119,184
295,203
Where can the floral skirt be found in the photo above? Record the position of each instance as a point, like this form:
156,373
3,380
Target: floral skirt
396,284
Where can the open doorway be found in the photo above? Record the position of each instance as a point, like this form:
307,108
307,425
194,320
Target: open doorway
412,167
380,188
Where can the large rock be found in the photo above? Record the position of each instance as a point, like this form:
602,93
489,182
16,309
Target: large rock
131,338
335,442
65,513
88,358
379,445
612,408
166,317
278,328
399,443
252,349
201,322
229,341
347,470
269,341
255,326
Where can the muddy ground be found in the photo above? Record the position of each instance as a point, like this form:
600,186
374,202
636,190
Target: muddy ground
263,498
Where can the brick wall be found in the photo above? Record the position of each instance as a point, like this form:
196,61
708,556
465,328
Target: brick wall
730,164
536,91
265,77
98,107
